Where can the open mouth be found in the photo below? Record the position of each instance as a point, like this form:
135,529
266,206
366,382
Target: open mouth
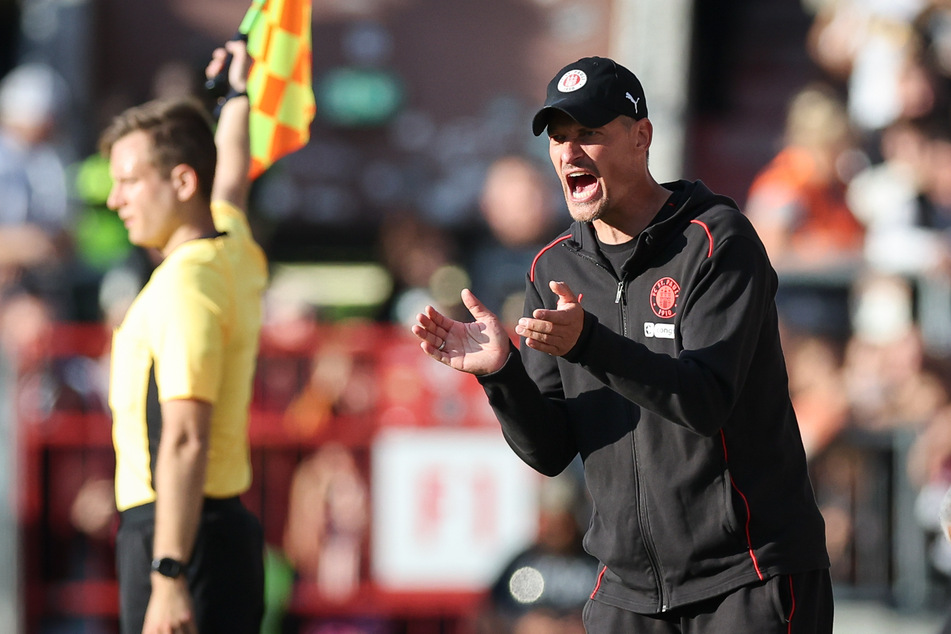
582,185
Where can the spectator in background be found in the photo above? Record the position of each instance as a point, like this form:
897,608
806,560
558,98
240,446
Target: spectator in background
894,387
929,470
797,201
817,390
34,209
890,379
823,409
877,381
798,206
45,384
328,517
544,587
421,258
880,58
886,197
933,24
325,537
342,383
934,212
519,207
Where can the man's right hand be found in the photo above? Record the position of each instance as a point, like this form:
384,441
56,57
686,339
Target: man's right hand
237,67
170,609
480,347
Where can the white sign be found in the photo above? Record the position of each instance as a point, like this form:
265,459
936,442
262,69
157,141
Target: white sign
450,507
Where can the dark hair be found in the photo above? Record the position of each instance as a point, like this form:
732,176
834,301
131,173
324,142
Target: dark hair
181,131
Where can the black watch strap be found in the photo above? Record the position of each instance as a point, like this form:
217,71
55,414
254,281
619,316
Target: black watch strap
168,567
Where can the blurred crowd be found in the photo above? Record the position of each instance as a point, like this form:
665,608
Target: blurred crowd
854,210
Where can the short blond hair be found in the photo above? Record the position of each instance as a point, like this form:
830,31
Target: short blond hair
817,117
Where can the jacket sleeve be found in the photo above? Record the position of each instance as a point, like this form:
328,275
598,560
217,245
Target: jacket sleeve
728,321
531,409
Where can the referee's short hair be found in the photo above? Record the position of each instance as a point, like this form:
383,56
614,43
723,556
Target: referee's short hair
181,130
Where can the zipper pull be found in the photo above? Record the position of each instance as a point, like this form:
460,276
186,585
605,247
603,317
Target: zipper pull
620,293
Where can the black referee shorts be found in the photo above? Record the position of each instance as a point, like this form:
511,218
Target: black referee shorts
225,575
785,604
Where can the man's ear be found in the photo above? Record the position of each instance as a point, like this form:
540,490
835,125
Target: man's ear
185,181
645,133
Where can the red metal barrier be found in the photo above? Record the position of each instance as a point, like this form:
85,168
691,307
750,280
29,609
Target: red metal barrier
326,384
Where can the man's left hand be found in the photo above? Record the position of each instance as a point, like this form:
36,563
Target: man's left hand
554,331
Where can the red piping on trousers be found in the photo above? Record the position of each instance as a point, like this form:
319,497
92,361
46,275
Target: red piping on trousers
749,541
598,584
709,235
540,253
792,608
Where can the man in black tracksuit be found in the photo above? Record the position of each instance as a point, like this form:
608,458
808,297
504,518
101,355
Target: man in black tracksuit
650,345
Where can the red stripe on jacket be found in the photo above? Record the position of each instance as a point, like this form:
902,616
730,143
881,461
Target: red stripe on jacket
709,235
531,274
749,540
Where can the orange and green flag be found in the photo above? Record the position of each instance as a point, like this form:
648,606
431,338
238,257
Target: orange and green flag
280,84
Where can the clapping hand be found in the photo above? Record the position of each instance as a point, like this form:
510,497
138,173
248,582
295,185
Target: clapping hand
478,347
554,332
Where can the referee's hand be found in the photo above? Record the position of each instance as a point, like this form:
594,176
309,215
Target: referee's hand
170,609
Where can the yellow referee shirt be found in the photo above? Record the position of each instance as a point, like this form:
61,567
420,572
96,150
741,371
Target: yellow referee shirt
192,332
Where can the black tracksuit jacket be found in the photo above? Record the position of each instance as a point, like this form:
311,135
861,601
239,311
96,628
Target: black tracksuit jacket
676,397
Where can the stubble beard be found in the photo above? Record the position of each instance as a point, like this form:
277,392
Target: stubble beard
589,211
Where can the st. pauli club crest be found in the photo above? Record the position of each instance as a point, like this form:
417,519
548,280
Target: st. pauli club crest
572,80
664,297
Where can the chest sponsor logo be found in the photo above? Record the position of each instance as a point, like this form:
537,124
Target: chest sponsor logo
664,297
658,331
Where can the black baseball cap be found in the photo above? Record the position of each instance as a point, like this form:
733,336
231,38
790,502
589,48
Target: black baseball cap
593,91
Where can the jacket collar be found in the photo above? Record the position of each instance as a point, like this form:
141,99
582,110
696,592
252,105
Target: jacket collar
687,201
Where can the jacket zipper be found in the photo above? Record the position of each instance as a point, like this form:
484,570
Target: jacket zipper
620,299
643,523
642,519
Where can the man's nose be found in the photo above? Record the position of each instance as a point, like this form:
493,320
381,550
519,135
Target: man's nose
570,151
113,198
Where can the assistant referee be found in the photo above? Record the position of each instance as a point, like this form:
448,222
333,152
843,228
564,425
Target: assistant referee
189,555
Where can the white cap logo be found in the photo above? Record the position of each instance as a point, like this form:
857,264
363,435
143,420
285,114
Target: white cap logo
572,81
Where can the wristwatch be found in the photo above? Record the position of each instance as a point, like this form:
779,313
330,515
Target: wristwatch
168,567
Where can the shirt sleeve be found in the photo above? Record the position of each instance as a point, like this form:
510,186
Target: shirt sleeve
531,408
190,340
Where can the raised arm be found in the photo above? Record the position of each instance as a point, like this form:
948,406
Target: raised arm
232,136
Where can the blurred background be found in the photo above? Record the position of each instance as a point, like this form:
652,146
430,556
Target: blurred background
389,500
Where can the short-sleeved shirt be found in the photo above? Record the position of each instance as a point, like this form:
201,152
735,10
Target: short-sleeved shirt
191,333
